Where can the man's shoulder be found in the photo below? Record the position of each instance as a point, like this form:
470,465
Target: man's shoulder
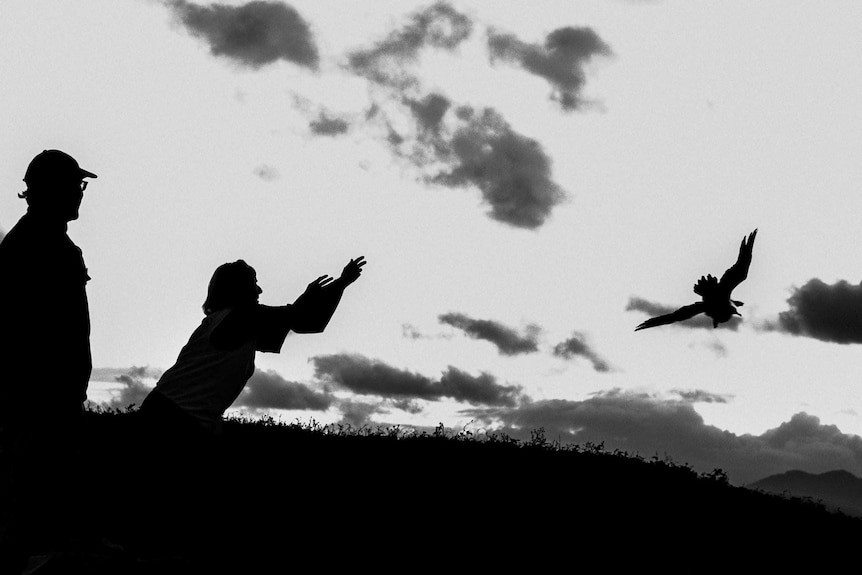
15,238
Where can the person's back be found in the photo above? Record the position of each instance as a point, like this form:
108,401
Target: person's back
205,378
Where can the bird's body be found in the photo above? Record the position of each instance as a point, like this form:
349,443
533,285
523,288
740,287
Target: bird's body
715,294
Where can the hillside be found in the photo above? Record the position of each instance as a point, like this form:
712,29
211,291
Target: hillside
280,495
835,489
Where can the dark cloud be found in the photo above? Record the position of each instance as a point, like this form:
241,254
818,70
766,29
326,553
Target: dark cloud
512,171
826,312
576,346
699,396
326,125
253,34
697,322
439,26
463,147
266,173
454,146
135,389
560,60
641,423
359,413
429,112
507,340
268,390
366,376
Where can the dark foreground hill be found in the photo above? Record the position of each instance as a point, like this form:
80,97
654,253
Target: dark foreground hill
282,498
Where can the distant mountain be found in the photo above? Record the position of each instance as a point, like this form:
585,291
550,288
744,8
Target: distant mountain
835,489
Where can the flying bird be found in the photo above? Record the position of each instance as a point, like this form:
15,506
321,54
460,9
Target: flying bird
714,293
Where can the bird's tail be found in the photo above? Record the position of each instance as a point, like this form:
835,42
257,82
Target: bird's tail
706,286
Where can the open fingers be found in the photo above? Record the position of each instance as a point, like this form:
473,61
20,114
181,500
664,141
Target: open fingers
323,280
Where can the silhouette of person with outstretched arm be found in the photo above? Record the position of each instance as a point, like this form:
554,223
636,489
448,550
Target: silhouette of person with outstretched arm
214,366
181,418
45,358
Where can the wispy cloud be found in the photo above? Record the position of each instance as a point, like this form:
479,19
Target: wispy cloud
326,125
507,339
454,145
655,309
268,390
577,346
560,60
439,26
266,173
254,34
700,396
822,311
648,425
365,376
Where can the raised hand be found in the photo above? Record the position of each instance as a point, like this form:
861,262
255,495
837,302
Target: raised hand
352,270
319,283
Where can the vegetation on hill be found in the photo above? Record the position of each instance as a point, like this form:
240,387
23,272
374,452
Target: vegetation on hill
278,494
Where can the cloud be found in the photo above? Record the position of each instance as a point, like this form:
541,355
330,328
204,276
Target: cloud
512,171
326,125
826,312
266,173
366,376
648,425
429,111
359,413
268,390
410,331
111,373
254,35
135,389
439,26
507,340
700,396
454,145
700,321
560,60
576,346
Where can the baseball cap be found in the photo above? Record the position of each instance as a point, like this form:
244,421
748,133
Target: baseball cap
53,165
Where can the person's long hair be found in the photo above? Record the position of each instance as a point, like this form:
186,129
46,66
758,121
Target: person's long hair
231,285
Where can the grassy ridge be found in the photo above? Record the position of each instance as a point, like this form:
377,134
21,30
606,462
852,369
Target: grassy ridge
277,494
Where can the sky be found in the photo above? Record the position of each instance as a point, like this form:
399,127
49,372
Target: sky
528,181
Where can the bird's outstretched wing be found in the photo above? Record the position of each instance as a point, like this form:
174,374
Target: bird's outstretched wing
683,313
738,271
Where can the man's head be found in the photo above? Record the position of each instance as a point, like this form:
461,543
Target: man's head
55,184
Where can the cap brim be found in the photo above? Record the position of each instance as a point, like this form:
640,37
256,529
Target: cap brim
86,174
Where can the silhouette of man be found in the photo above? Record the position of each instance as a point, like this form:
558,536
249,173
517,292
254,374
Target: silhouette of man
44,354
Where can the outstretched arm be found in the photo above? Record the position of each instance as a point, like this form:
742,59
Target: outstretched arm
315,307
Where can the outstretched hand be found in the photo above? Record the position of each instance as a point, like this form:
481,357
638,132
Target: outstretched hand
352,270
319,284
